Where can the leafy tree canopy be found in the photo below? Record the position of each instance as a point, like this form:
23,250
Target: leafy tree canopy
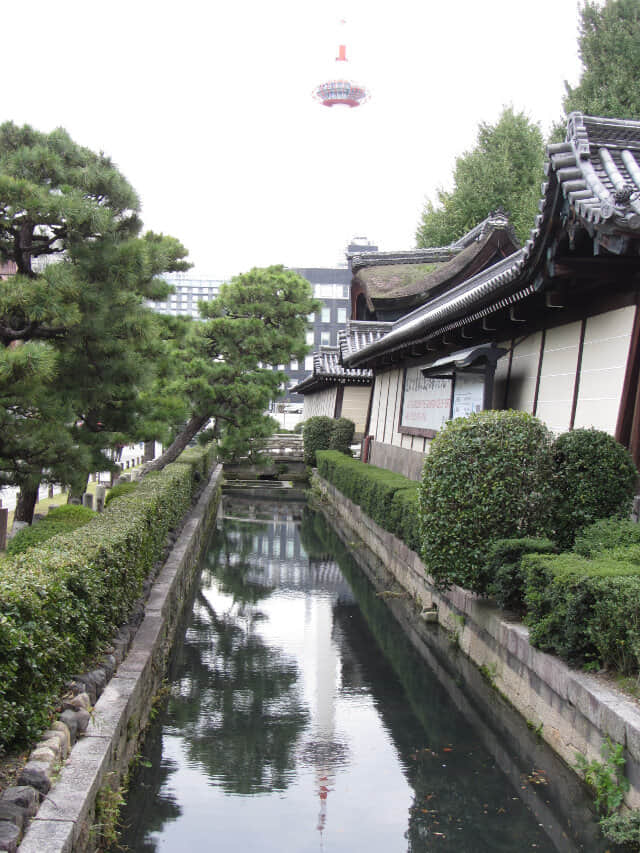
503,170
229,364
609,47
77,340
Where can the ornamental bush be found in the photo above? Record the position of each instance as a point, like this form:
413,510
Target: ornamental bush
504,566
316,435
486,477
342,435
586,610
389,499
606,534
594,478
62,519
60,601
123,488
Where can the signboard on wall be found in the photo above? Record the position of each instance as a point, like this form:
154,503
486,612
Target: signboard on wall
426,401
453,386
468,394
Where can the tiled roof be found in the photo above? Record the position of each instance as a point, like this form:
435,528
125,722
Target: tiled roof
596,171
360,333
394,279
498,219
597,168
328,369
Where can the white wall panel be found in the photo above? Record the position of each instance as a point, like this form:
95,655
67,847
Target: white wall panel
558,375
604,361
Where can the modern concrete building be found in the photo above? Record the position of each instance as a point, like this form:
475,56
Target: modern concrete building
332,286
189,290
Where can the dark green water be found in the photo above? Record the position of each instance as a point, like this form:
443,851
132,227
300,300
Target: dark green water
301,719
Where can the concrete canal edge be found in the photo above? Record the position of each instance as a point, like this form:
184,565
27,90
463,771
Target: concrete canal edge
99,760
572,710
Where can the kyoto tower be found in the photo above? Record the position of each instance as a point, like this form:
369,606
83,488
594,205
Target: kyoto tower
340,88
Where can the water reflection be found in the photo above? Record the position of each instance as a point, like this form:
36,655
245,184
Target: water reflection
297,723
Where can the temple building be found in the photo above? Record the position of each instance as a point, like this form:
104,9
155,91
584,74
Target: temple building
552,328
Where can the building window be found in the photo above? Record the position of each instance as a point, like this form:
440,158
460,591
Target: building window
310,339
308,362
325,339
326,315
294,364
342,315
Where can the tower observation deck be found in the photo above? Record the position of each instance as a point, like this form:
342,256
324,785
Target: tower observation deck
340,88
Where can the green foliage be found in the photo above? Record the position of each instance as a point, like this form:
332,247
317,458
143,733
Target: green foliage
622,828
609,47
316,435
120,489
486,477
88,342
606,778
586,610
504,567
60,601
606,534
503,170
594,478
342,435
228,364
389,499
248,441
63,519
404,516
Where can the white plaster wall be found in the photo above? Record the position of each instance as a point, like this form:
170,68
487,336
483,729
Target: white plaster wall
524,370
558,376
355,404
604,361
320,403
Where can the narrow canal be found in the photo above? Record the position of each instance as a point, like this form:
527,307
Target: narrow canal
300,718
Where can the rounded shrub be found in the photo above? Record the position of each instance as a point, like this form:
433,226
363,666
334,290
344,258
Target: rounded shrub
594,477
316,435
342,435
486,477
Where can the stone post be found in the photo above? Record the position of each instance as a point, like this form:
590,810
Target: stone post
50,490
100,495
87,500
4,518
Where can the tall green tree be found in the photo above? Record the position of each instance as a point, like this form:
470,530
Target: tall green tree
74,327
229,368
503,170
609,47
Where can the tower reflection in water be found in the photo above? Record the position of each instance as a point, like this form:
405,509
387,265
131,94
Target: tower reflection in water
300,719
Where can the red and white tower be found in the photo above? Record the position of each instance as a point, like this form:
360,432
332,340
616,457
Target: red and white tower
340,87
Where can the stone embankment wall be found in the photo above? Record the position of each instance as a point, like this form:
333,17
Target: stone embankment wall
573,711
87,787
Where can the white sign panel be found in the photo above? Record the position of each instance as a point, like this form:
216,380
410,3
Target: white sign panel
468,395
427,401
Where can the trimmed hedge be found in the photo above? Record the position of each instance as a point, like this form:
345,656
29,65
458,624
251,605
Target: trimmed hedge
504,565
316,435
62,519
486,477
390,499
61,601
606,534
595,477
120,489
341,437
586,610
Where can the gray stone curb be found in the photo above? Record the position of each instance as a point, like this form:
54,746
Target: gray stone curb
577,711
102,756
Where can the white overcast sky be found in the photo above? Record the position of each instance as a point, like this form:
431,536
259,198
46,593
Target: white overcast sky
207,108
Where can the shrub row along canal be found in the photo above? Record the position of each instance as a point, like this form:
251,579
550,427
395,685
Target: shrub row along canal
300,718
